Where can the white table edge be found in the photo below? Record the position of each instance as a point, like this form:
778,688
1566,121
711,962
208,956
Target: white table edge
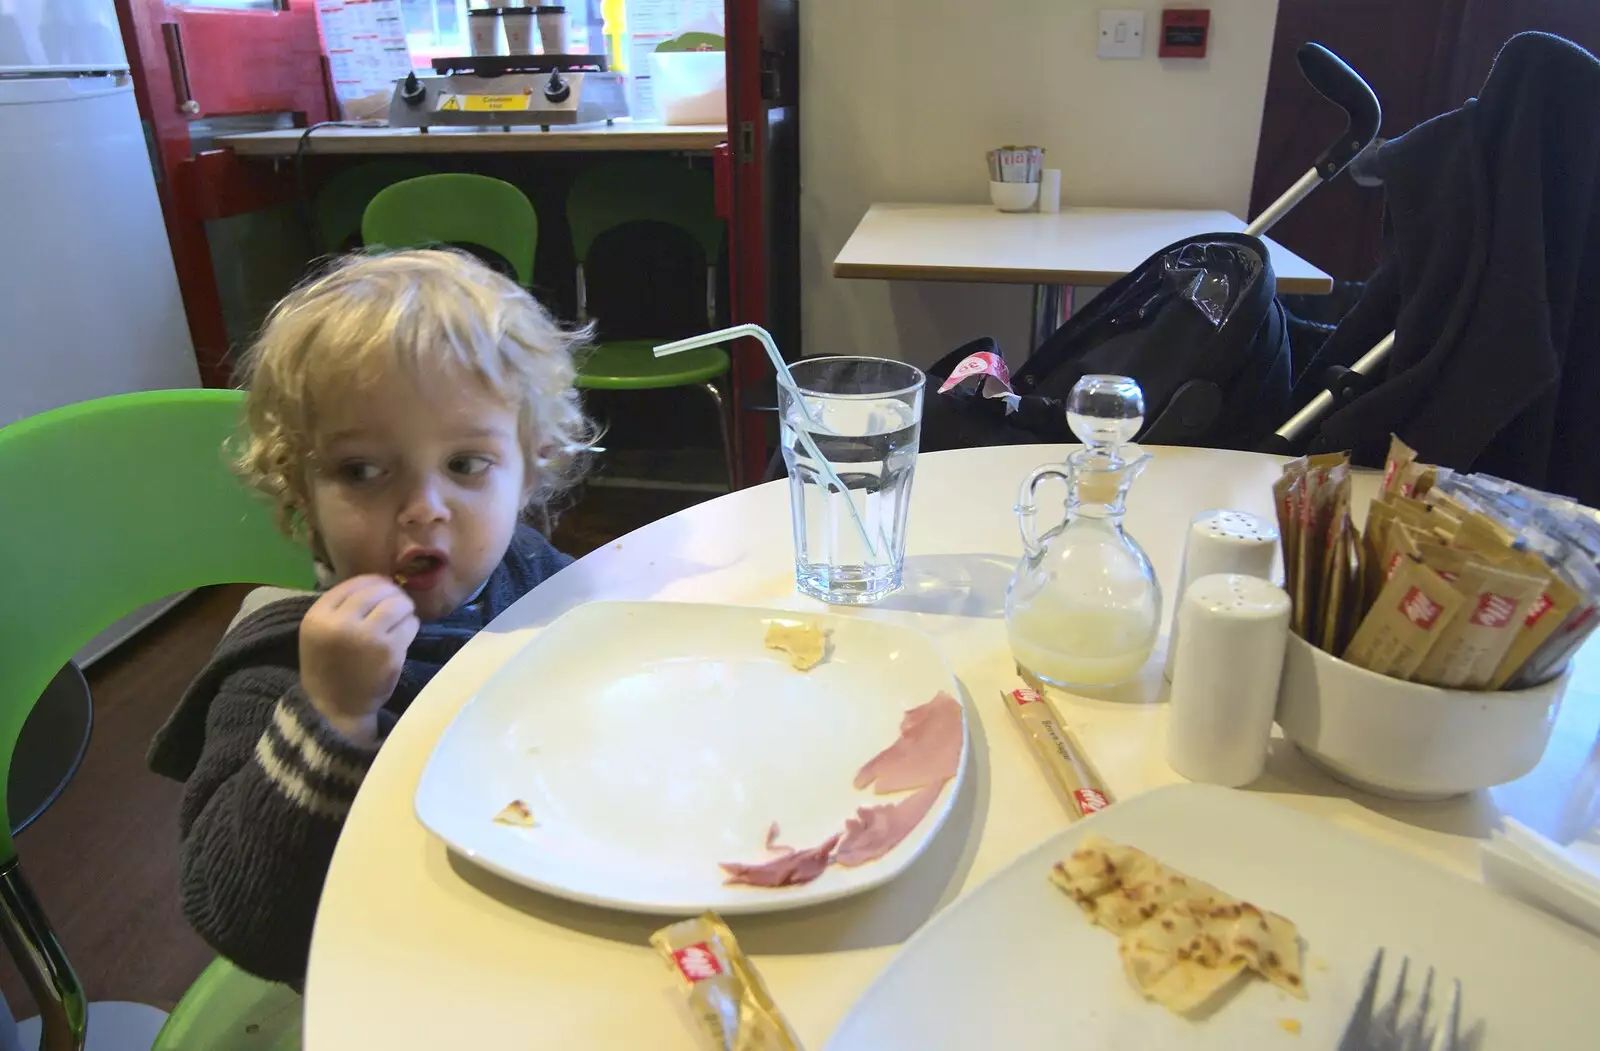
848,267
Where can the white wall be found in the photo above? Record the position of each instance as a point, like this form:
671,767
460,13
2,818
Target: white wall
900,99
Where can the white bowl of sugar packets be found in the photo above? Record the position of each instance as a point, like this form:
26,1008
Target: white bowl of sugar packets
1014,196
1408,740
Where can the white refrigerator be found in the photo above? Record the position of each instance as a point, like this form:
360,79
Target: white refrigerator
89,302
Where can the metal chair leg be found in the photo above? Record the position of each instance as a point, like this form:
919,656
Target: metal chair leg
1052,304
63,1008
722,426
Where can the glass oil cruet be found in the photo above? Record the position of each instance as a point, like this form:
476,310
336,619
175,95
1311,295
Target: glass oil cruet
1083,608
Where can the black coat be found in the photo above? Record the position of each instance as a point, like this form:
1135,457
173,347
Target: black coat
1492,282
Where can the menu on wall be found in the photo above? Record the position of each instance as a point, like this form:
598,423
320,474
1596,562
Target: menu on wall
671,17
365,41
650,23
642,102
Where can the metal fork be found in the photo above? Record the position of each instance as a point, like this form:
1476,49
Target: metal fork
1375,1028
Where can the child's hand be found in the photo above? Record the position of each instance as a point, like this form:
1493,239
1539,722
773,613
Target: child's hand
352,645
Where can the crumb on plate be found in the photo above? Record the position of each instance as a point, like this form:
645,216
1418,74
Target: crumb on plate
1290,1025
516,814
806,644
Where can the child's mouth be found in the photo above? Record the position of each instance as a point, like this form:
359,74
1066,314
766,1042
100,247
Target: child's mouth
421,570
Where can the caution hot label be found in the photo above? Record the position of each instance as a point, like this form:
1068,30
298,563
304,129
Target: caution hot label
482,103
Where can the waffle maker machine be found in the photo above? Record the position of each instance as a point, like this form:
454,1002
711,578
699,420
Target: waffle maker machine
510,90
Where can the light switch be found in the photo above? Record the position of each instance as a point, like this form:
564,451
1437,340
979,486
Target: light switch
1121,34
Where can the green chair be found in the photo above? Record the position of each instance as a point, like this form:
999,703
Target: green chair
652,189
456,208
110,505
343,199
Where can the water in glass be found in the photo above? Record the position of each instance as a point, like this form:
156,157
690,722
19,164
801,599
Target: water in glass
865,421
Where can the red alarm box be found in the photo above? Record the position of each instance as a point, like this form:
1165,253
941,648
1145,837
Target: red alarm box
1185,31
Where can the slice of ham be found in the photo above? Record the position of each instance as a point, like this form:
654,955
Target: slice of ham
791,869
772,839
876,830
927,752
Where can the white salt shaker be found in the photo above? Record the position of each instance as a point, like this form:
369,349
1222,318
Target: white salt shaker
1225,677
1050,190
1222,542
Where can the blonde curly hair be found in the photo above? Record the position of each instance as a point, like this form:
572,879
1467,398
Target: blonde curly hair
416,311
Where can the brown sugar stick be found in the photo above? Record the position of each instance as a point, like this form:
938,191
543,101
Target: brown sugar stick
1058,752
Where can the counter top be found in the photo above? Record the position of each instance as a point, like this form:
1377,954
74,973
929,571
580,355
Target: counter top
623,135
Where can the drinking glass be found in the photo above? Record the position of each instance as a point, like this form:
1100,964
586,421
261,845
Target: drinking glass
865,420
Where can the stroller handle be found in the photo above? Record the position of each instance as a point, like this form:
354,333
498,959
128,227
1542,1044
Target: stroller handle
1335,81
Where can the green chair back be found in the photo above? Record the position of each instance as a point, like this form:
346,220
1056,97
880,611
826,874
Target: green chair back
643,189
456,207
228,1010
110,505
343,199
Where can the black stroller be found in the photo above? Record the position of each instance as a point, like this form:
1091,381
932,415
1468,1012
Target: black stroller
1198,324
1200,327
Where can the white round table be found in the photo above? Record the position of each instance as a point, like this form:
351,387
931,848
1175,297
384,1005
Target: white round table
415,948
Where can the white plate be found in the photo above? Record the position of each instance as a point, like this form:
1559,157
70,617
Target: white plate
654,740
1016,965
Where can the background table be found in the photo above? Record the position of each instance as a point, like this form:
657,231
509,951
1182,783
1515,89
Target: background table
1076,246
416,949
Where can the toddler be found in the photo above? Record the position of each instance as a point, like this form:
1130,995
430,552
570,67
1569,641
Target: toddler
403,411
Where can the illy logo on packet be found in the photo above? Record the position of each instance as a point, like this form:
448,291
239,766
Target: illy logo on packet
697,962
1541,606
1494,611
1419,609
1090,800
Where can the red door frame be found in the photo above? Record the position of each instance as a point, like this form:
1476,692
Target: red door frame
222,77
747,230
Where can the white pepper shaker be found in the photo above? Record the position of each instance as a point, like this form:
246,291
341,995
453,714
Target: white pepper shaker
1225,677
1222,542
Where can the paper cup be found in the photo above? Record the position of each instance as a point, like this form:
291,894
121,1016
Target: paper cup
552,29
483,27
519,30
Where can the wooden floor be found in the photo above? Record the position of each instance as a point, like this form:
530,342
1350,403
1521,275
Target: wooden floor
104,858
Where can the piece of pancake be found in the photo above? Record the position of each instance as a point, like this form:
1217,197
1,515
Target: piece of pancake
1181,940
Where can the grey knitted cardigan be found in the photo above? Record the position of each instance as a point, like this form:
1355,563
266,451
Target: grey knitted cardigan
268,781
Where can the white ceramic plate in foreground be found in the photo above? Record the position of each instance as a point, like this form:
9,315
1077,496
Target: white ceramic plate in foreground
653,740
1016,965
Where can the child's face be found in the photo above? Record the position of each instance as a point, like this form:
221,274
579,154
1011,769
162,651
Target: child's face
422,481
